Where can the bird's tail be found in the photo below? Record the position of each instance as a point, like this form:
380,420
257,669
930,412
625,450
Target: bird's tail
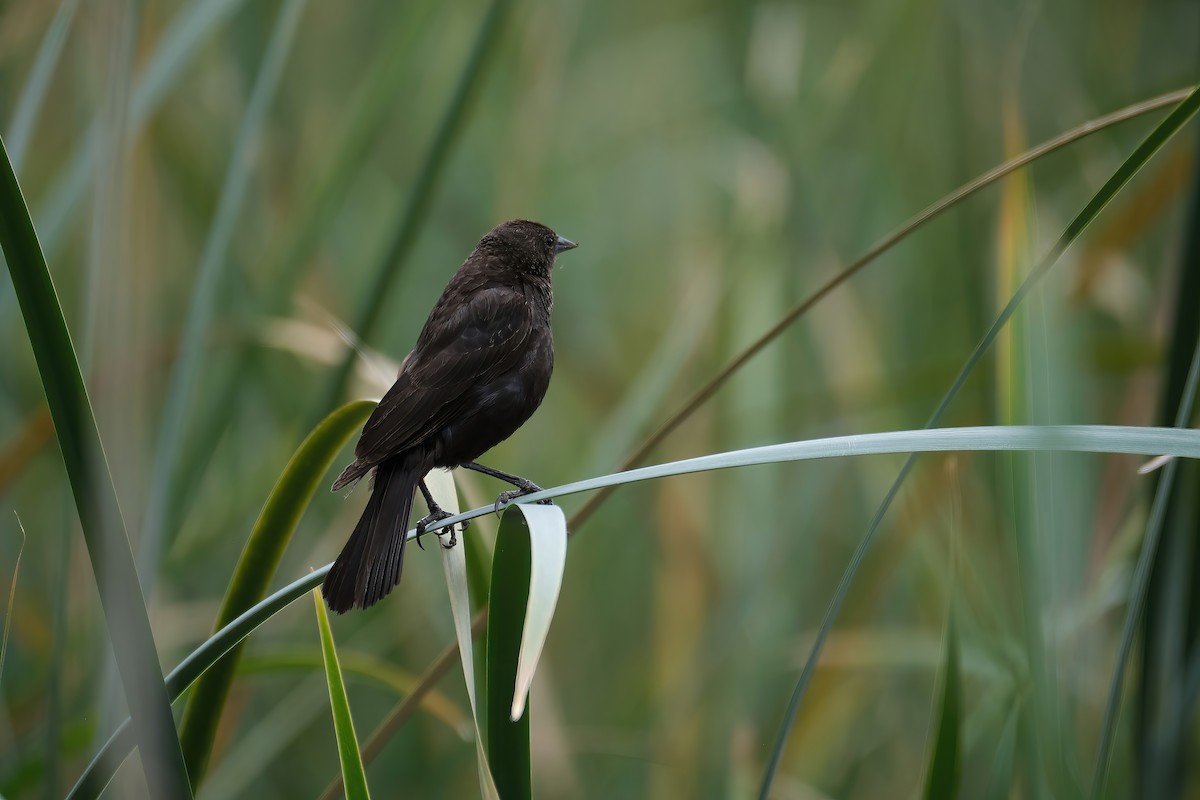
369,565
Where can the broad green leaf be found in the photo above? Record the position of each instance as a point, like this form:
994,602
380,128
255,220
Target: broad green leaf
508,740
354,777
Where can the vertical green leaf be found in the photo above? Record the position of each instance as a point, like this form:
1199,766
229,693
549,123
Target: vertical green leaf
508,740
95,496
354,777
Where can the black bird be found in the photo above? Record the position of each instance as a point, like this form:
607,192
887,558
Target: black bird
480,368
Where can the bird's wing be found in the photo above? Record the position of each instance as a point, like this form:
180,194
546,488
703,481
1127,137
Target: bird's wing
477,341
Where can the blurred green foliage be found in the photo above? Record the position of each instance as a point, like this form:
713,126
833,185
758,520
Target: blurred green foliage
717,162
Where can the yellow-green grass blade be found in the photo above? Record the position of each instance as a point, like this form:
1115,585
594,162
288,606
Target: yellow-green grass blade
354,777
95,496
281,513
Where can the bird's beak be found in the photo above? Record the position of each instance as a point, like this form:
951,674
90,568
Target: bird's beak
564,244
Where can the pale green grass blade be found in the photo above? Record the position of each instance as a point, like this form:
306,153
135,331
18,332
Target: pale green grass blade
1074,438
454,565
1149,146
547,530
287,502
926,215
354,777
213,264
95,495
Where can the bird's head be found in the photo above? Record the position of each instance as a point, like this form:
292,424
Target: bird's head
531,245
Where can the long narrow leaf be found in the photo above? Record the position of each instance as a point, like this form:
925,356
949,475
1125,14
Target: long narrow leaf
95,495
547,531
454,565
508,739
354,777
1075,438
257,565
1149,146
945,763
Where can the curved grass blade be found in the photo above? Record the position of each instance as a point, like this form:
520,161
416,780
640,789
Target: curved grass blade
705,392
95,496
354,777
418,201
438,668
508,739
1140,585
1074,438
547,529
256,567
213,262
1149,146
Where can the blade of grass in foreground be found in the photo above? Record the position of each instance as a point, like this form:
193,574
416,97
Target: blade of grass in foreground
95,496
945,764
256,567
354,777
508,738
1149,146
1067,438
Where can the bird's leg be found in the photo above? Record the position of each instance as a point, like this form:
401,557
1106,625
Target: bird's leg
523,485
436,514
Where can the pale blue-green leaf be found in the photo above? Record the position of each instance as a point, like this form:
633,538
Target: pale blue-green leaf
454,564
548,559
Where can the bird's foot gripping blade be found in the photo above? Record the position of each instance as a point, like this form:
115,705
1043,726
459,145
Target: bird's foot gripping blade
524,488
429,522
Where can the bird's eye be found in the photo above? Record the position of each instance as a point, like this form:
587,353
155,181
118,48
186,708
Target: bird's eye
551,240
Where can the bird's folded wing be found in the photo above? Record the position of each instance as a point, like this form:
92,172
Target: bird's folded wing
475,343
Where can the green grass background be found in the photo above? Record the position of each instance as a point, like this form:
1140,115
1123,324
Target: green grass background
200,172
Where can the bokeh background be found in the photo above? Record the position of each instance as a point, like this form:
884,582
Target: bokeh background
243,174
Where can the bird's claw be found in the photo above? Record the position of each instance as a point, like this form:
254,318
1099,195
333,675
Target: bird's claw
425,524
526,487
